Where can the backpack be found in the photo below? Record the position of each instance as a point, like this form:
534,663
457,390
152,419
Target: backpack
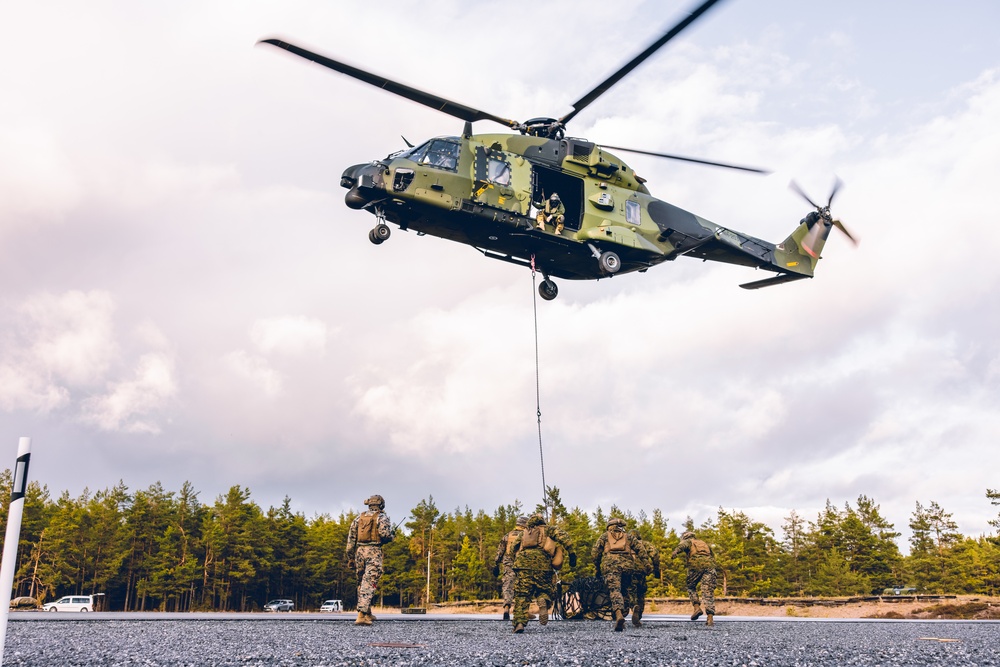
617,542
368,528
699,548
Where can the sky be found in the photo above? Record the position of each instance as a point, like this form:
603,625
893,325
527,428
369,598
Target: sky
185,296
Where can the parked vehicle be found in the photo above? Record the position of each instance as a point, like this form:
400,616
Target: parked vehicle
71,603
332,605
280,605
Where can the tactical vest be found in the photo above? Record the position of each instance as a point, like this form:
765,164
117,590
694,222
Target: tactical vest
617,542
509,551
699,548
533,537
368,529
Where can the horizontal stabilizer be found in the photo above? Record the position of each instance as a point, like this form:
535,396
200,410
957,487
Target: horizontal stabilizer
777,280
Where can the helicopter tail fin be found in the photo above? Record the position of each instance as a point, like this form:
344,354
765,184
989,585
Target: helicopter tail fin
796,257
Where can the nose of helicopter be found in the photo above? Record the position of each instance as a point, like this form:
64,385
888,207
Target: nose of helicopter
362,182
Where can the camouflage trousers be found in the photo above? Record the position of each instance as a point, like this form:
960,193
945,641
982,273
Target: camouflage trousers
531,584
508,584
368,565
705,577
615,571
635,591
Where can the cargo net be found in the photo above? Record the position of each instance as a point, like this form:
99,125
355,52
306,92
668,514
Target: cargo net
585,598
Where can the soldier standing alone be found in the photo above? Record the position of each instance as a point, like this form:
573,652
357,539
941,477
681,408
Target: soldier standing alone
505,557
369,531
615,554
700,569
537,550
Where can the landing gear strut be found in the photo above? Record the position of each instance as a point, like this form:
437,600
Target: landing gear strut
609,262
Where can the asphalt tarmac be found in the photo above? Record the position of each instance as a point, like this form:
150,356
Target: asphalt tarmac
312,639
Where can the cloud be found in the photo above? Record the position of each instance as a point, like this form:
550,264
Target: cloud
289,336
129,405
256,371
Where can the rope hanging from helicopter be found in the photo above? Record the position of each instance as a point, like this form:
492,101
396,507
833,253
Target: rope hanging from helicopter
538,392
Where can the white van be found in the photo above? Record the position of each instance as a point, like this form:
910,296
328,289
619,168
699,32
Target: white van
71,603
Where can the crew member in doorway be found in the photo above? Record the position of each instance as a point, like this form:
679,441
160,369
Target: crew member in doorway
552,211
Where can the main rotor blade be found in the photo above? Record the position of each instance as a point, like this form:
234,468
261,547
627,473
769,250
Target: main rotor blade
435,102
584,101
670,156
833,193
839,225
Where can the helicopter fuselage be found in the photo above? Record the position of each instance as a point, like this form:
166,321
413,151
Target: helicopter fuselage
483,191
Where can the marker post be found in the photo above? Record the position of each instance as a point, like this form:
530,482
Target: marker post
13,536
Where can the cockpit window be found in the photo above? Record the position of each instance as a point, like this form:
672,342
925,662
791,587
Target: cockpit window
438,153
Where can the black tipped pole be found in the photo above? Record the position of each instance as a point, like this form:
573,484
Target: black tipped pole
9,562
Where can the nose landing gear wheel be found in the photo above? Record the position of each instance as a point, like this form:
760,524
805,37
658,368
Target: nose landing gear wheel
548,290
609,262
380,233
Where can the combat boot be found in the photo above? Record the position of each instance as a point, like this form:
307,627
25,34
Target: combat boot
362,619
519,628
637,617
696,615
559,228
619,620
711,620
506,612
371,616
543,615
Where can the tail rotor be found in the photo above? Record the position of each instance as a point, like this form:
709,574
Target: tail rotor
820,221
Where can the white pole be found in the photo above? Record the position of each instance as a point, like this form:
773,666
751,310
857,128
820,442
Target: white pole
9,562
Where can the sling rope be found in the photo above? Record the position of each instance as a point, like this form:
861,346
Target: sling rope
538,393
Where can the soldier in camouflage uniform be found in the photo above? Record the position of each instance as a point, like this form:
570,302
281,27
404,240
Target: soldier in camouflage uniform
505,557
552,210
537,550
615,554
369,531
700,569
647,562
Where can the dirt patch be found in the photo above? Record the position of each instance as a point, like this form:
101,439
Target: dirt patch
978,610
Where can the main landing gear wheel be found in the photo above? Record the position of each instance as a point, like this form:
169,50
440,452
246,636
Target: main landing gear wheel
380,233
609,262
548,290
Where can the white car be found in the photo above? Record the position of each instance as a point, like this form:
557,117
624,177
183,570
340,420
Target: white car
332,605
71,603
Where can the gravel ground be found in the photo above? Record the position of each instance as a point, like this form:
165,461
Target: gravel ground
490,642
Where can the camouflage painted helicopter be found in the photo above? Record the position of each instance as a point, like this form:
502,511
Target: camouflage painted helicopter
482,190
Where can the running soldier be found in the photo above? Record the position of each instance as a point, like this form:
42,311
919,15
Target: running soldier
647,562
369,531
538,549
700,569
615,554
505,557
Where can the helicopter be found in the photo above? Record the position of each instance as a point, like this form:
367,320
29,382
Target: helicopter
493,192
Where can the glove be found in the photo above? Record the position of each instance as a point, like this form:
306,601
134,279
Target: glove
350,564
496,570
572,560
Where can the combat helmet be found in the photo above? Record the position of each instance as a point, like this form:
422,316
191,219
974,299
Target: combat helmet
616,521
687,535
536,520
376,500
554,198
522,521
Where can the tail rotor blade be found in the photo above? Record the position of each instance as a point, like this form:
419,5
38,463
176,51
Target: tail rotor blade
795,186
839,225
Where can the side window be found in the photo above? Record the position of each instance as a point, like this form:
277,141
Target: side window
632,212
498,171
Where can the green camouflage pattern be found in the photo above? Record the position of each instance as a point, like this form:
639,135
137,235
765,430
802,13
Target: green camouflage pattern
534,576
505,558
617,569
700,571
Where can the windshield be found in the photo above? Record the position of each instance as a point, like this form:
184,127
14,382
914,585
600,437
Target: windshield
438,153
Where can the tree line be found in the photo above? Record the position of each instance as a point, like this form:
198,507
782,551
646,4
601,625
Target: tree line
154,549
